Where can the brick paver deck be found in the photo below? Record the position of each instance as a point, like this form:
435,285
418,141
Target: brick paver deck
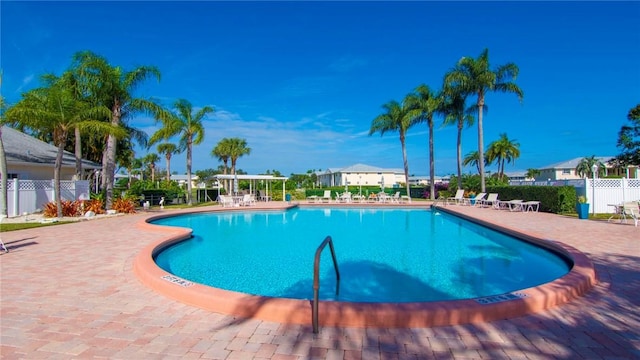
69,291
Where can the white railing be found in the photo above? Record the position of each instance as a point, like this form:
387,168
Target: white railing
29,196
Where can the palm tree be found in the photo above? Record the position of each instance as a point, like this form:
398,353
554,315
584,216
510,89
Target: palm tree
397,117
168,149
474,76
425,104
113,87
151,159
456,113
585,166
532,173
188,125
221,151
55,109
472,159
503,150
237,148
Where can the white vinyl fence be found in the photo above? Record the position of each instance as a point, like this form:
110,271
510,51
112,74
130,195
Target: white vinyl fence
29,196
608,192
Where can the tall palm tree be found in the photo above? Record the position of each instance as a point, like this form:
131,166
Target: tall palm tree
151,159
424,104
221,151
188,125
113,87
584,167
397,117
532,173
474,76
55,109
168,149
503,150
237,148
456,113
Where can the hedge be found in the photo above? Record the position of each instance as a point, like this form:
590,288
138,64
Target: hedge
553,199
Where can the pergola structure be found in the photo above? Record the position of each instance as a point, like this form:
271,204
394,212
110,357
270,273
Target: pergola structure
253,179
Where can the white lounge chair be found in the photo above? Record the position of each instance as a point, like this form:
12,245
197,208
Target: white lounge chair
396,197
491,200
532,206
476,201
326,197
344,197
458,198
512,205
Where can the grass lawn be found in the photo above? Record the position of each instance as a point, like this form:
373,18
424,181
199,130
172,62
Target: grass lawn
22,226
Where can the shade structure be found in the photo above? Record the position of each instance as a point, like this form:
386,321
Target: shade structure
252,179
235,185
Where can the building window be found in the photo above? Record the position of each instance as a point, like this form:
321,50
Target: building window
566,171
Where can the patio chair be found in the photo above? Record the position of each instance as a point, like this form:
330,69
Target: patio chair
458,198
225,200
632,210
396,197
2,242
491,200
477,201
248,200
326,197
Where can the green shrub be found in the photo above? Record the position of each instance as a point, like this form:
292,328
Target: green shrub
554,199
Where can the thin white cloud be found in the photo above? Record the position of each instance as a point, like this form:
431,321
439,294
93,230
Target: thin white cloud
25,82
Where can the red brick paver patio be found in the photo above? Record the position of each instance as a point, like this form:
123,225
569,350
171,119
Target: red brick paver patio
69,291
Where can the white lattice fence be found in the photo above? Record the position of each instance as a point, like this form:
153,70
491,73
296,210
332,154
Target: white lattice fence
31,195
607,192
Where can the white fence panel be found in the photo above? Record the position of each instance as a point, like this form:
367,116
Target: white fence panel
27,196
608,192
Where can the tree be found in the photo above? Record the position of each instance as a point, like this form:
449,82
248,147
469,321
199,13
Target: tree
221,151
472,158
456,113
474,76
424,104
55,109
585,166
629,139
397,117
113,87
168,149
237,148
151,159
188,125
532,173
503,150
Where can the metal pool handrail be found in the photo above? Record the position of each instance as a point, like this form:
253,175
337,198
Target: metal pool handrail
316,278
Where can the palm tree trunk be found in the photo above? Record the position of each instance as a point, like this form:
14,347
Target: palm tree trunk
481,142
405,162
189,144
3,179
78,150
432,167
109,160
56,179
168,167
459,150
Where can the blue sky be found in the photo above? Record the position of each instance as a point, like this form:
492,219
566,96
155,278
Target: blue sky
302,81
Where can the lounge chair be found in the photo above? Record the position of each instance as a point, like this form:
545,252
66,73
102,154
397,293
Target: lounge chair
458,199
532,206
491,200
344,197
396,197
632,210
326,197
476,201
313,198
512,205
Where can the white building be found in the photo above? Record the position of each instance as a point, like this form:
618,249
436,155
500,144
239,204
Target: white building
360,174
566,170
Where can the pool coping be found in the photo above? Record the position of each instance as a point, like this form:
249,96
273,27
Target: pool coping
580,279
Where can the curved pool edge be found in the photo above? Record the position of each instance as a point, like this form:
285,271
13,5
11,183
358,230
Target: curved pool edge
580,279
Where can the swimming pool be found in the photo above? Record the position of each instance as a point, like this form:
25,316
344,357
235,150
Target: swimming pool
384,255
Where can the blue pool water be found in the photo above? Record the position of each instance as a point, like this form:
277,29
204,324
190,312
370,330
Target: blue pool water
384,255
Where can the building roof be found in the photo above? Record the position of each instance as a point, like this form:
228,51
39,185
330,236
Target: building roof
361,168
21,148
571,164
